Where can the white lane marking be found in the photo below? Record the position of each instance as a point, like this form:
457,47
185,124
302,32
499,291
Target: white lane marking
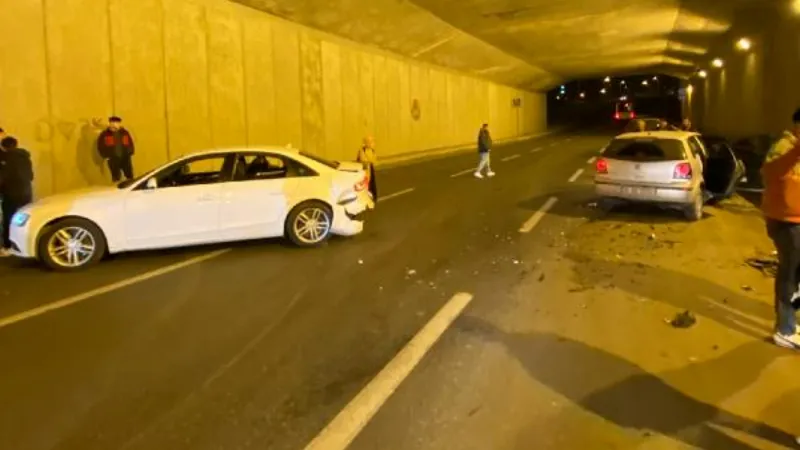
396,194
575,175
344,428
591,160
538,215
509,158
753,190
63,303
537,149
553,144
568,140
463,172
601,150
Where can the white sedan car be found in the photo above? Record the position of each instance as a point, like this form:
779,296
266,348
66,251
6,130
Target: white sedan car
206,197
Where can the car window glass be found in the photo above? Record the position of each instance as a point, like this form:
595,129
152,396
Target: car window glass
260,167
694,145
644,150
201,170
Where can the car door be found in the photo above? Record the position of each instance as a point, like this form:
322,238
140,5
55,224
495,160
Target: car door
178,205
255,204
722,168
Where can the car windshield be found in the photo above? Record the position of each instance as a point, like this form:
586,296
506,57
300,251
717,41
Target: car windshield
331,164
645,150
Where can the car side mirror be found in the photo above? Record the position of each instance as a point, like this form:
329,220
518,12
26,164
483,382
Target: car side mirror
151,183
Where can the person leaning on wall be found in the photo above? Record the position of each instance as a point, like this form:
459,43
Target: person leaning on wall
115,145
16,184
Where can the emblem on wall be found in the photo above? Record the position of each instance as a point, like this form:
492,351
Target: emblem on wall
416,112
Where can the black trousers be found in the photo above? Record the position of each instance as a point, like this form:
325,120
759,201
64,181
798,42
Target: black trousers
10,205
373,184
786,237
120,165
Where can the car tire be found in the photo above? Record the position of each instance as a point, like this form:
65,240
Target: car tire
314,214
694,212
85,247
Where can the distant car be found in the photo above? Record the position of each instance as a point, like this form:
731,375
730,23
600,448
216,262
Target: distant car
668,168
206,197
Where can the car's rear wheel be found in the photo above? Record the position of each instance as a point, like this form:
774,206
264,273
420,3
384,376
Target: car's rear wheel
309,224
694,212
71,244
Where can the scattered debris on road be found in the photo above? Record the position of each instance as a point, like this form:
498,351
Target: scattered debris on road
411,272
684,319
767,266
747,288
541,277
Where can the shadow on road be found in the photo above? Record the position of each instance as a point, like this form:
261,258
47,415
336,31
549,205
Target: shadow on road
727,307
627,395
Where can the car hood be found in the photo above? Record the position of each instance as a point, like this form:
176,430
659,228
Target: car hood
77,194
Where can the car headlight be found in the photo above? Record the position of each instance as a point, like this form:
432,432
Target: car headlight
20,219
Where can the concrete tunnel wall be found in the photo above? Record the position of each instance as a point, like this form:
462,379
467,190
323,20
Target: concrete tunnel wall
757,91
188,75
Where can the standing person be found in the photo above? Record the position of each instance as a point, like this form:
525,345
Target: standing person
115,145
484,150
16,184
781,208
367,157
686,125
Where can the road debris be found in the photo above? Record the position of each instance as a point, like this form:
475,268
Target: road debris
747,288
541,277
684,319
767,266
360,261
411,272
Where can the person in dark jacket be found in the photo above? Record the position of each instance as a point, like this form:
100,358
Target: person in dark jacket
484,150
16,184
115,146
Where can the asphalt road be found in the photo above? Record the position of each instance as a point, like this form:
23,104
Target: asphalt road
262,345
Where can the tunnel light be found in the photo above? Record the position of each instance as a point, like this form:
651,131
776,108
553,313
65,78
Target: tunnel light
607,80
743,44
603,91
718,63
796,7
655,78
622,82
645,83
702,74
583,95
689,90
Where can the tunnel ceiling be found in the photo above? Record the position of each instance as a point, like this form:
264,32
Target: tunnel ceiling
533,44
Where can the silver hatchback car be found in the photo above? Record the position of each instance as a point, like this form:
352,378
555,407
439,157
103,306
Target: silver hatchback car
667,168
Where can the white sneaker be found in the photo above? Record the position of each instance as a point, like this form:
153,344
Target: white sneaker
489,174
478,175
785,341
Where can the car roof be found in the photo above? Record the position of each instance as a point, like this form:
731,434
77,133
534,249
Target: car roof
264,149
680,135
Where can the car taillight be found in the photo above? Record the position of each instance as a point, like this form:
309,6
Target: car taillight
601,166
683,171
616,116
633,115
361,185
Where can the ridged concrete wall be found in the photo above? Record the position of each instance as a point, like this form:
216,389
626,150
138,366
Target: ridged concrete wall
194,74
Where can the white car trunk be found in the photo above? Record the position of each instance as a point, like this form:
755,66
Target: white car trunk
644,172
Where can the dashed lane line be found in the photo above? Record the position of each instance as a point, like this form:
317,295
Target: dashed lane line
537,149
346,426
591,160
463,172
509,158
395,195
531,223
575,175
69,301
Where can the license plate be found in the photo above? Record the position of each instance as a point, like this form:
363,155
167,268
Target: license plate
638,191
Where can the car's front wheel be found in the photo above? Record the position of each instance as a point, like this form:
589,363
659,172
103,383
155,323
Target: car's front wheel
309,224
71,244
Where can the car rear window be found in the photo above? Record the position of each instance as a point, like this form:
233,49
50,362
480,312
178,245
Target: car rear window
331,164
645,150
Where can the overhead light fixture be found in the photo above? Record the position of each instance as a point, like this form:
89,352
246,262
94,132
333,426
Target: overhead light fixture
702,74
796,7
743,44
689,89
603,91
655,78
583,95
607,80
718,63
622,82
645,83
